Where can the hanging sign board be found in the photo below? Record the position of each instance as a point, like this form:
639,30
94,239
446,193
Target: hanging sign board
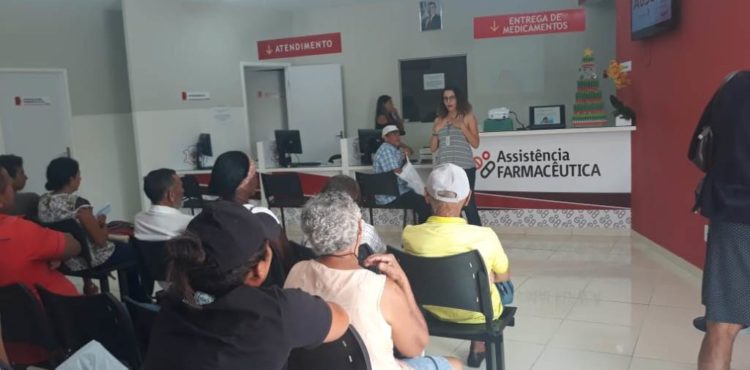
508,25
328,43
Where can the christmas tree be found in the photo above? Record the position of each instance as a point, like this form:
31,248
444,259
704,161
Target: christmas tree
588,110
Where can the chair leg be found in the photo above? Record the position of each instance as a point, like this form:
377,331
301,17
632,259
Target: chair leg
406,212
372,219
500,353
122,282
283,219
489,347
104,284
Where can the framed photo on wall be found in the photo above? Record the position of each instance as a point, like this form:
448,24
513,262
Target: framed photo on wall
431,15
547,117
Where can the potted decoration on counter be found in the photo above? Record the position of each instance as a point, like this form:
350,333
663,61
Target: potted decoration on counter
624,115
588,110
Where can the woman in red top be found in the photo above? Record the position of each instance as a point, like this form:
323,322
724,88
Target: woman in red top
30,254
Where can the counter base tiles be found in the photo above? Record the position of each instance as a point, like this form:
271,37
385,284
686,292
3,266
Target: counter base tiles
516,218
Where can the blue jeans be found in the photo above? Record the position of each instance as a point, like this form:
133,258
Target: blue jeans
428,363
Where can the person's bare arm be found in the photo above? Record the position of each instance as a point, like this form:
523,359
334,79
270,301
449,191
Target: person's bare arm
400,309
499,278
470,130
382,120
339,323
434,141
72,247
407,150
97,232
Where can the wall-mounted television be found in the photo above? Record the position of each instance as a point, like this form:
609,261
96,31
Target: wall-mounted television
649,18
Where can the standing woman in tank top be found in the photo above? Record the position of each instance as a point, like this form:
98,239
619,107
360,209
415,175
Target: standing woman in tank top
454,134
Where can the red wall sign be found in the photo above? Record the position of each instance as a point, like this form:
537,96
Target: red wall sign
573,20
329,43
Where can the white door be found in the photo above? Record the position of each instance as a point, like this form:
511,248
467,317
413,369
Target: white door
315,106
35,118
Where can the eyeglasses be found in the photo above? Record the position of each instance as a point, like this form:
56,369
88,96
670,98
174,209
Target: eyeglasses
449,98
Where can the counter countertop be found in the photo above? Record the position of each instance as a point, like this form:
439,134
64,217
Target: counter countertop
566,131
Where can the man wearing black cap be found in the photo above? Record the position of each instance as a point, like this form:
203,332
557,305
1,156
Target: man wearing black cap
216,314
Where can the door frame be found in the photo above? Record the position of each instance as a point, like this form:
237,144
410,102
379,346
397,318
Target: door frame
260,66
66,105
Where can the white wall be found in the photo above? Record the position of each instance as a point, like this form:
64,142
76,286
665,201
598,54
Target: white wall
516,72
103,145
176,45
86,38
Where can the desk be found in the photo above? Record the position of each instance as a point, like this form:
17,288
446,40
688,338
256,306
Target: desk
566,178
574,178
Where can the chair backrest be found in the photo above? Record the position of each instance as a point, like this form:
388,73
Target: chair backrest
346,353
143,315
72,227
282,185
79,320
458,281
192,190
371,184
26,331
154,257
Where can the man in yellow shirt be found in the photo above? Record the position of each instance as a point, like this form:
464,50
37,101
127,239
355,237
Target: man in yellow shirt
446,234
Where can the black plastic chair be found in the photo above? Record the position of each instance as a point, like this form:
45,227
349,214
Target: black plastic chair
459,281
25,326
385,183
154,261
73,228
143,315
346,353
283,190
192,192
79,320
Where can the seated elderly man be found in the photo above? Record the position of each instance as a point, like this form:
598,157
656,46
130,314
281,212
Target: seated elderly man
163,221
391,156
446,233
381,306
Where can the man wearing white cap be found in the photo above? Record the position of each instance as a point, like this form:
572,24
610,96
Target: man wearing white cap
446,234
391,157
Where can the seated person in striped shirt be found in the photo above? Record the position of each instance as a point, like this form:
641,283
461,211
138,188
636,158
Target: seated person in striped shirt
390,158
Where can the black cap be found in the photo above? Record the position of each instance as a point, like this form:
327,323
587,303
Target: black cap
230,234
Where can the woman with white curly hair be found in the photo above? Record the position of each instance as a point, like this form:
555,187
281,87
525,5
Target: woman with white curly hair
381,306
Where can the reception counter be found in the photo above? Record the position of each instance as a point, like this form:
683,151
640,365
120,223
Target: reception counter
566,178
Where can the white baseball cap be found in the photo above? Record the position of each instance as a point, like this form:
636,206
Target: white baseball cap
448,183
388,129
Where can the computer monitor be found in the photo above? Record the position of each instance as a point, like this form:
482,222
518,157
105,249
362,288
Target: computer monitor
203,149
369,142
287,142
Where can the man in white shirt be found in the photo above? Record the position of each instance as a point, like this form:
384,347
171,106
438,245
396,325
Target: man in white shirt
164,220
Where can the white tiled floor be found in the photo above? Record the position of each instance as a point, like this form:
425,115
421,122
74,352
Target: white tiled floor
599,303
594,303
